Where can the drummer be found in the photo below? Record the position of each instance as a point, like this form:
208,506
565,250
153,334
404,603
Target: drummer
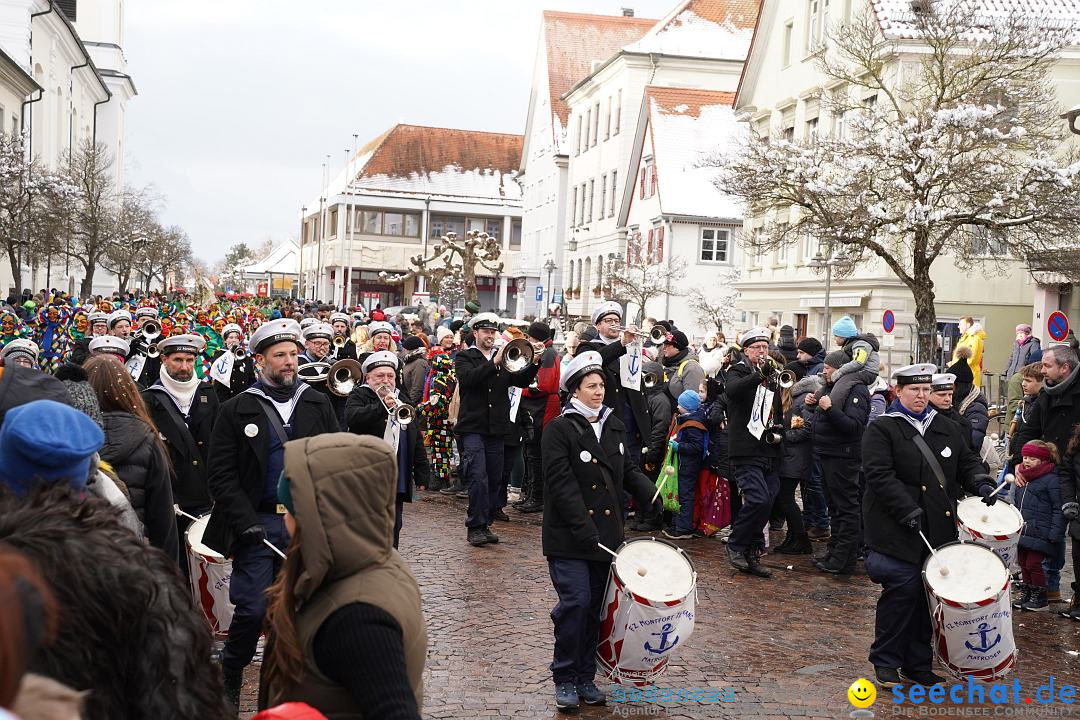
911,489
585,471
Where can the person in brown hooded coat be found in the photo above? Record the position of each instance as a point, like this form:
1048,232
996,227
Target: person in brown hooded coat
346,632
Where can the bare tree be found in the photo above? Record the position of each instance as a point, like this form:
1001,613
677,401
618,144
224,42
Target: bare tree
453,258
715,306
960,157
130,231
645,275
90,170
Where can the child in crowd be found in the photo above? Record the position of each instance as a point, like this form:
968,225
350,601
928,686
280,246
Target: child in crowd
862,366
691,445
1031,380
1038,497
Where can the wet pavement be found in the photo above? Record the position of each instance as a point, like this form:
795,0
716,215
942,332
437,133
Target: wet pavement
785,647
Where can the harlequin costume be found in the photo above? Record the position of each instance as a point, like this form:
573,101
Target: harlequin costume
438,434
52,336
11,328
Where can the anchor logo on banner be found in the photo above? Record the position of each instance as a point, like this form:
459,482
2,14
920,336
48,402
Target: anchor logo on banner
982,632
664,646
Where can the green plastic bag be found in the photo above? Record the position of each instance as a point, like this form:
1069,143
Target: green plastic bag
668,481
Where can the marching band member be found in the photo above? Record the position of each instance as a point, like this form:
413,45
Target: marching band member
483,418
917,465
380,337
21,352
586,470
120,324
246,460
317,339
371,411
144,369
241,373
541,402
341,323
111,345
184,410
756,462
99,323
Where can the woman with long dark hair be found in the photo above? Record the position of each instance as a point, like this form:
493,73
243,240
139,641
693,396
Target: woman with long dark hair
134,450
346,634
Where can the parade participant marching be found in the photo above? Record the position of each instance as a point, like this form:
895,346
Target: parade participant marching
317,339
99,323
483,418
20,352
341,323
346,631
380,337
917,465
753,405
142,363
52,336
541,401
372,410
120,325
246,459
184,410
114,347
232,368
586,471
434,408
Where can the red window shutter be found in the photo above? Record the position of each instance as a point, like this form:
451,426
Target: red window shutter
637,247
642,183
652,182
660,245
649,254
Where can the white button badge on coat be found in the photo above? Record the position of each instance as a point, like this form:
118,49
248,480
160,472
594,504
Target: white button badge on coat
585,456
251,430
947,452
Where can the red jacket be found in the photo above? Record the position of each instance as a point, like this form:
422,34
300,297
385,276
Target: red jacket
545,394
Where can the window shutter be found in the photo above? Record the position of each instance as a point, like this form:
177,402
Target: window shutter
649,254
652,182
642,183
660,244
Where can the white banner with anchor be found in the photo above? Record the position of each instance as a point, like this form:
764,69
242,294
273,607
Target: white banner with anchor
630,366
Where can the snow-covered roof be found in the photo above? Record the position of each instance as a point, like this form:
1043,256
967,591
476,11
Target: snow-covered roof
898,20
714,29
443,162
574,43
687,126
282,259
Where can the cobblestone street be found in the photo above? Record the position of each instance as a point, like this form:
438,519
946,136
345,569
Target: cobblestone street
785,647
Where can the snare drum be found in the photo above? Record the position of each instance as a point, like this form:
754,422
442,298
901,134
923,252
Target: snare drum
970,611
648,610
997,526
210,575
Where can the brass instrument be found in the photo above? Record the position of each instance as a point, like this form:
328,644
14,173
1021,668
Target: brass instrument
338,341
784,379
402,412
518,355
314,372
657,334
239,352
152,350
649,379
150,330
343,376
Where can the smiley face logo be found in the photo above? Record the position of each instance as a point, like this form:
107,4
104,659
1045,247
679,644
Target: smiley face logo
861,694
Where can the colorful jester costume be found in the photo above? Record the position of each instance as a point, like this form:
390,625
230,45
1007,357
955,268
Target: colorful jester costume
439,434
52,336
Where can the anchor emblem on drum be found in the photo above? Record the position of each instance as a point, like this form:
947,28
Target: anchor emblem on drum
982,632
664,646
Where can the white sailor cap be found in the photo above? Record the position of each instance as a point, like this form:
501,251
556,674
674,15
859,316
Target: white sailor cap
118,315
943,381
918,374
110,344
232,328
191,344
484,321
755,335
578,367
380,326
340,317
274,332
146,311
608,307
20,346
98,317
382,358
308,322
318,330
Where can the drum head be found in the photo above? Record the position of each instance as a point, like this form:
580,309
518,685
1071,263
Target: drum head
654,570
976,573
1001,518
194,536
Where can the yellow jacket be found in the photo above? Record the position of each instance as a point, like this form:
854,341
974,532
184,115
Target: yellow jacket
974,338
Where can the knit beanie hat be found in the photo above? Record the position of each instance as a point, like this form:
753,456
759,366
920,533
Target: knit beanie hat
539,331
836,359
962,371
689,401
845,328
84,399
412,343
787,338
810,346
679,340
49,441
443,332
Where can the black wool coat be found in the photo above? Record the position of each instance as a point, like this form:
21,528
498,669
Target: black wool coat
583,487
741,382
187,440
238,461
615,395
900,484
483,388
1053,419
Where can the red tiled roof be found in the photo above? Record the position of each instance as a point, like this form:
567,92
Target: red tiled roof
712,29
742,13
576,40
688,101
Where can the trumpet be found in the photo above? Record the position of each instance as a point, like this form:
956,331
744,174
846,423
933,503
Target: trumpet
402,412
649,380
784,378
518,355
239,352
338,341
152,350
150,330
657,335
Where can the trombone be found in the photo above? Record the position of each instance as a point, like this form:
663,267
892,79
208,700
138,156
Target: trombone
152,350
340,377
657,335
649,379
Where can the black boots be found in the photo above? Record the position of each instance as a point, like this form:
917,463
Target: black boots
796,545
233,680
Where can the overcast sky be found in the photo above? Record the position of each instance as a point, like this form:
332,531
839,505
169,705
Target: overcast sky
240,102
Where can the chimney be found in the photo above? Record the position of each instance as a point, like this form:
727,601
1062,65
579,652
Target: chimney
628,12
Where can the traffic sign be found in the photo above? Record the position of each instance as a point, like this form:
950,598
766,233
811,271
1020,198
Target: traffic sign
557,298
1057,325
888,321
539,293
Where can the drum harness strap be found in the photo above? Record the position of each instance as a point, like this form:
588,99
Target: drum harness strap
935,466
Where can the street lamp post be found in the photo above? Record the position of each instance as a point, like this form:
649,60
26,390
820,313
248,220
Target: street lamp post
840,260
549,265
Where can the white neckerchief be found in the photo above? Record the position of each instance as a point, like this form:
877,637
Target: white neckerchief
182,393
603,340
920,426
580,408
285,408
487,356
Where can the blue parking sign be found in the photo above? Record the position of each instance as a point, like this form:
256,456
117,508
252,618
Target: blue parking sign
539,293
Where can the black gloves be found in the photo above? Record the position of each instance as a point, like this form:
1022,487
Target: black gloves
911,520
987,498
253,535
1071,511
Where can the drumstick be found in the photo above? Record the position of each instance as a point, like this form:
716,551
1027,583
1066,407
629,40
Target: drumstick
605,548
642,570
943,570
1009,478
267,543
